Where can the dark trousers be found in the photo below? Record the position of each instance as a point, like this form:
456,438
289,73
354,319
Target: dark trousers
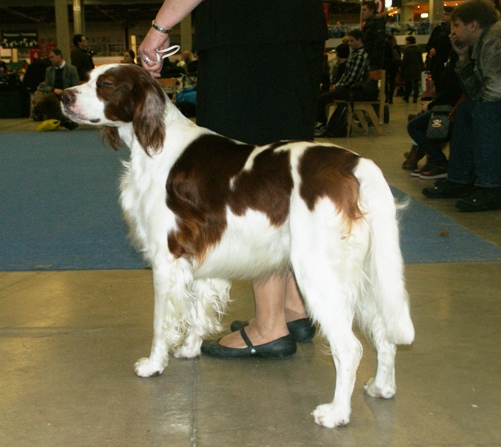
411,86
433,148
475,152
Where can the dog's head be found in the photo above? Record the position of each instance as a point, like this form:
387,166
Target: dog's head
118,94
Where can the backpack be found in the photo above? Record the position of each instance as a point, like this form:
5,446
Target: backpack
337,125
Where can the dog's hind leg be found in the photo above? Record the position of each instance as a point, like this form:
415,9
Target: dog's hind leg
205,315
346,352
383,384
326,265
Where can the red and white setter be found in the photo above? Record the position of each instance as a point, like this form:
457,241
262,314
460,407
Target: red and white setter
204,209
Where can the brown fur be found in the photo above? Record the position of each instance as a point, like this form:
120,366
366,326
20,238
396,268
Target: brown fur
198,190
131,97
328,172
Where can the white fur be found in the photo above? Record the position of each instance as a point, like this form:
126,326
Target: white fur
343,274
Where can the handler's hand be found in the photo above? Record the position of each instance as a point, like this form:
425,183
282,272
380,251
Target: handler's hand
147,51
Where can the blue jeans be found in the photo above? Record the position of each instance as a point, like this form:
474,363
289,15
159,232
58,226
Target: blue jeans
475,152
417,131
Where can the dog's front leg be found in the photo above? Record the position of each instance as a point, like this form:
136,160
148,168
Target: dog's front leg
159,357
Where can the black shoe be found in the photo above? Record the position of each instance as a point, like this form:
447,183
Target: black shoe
446,189
302,330
279,349
483,199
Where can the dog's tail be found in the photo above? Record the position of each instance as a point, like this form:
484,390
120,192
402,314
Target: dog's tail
384,267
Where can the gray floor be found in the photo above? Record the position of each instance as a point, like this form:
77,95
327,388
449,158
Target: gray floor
69,340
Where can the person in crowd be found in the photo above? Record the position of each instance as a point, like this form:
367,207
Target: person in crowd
58,76
35,73
412,66
393,61
342,55
474,172
374,35
184,60
357,67
325,82
439,48
4,68
254,48
436,161
129,57
81,57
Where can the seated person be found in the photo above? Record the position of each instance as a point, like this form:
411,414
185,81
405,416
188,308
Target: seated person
58,76
474,171
342,55
355,74
436,164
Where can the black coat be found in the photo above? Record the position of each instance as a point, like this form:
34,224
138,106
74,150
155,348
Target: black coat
375,41
412,63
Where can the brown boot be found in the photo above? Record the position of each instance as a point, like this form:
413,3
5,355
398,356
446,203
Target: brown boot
413,157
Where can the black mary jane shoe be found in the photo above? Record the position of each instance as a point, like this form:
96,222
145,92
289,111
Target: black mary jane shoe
302,330
281,348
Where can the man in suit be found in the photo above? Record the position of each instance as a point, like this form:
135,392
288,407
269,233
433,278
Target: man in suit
58,76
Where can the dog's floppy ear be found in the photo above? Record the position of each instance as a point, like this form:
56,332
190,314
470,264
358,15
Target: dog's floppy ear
110,134
149,119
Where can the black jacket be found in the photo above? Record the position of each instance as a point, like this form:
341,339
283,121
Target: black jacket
83,61
439,39
375,41
222,22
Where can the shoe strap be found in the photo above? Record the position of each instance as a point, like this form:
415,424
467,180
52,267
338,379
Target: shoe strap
246,339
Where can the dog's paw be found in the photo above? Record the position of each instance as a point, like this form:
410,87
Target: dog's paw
187,351
147,368
329,416
383,392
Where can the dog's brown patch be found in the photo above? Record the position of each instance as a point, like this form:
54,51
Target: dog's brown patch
328,172
208,178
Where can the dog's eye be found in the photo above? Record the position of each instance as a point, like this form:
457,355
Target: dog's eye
105,84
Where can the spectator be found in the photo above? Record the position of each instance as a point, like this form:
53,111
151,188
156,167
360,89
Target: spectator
474,173
129,57
436,164
81,57
439,48
35,73
374,35
412,66
4,69
342,55
58,76
325,81
184,61
393,61
357,67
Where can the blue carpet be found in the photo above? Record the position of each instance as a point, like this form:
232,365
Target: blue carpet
59,210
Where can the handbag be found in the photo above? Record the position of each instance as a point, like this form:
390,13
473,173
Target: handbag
439,126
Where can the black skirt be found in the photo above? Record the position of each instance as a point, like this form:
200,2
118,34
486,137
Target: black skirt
260,93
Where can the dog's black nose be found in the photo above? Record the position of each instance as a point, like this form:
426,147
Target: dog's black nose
68,97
